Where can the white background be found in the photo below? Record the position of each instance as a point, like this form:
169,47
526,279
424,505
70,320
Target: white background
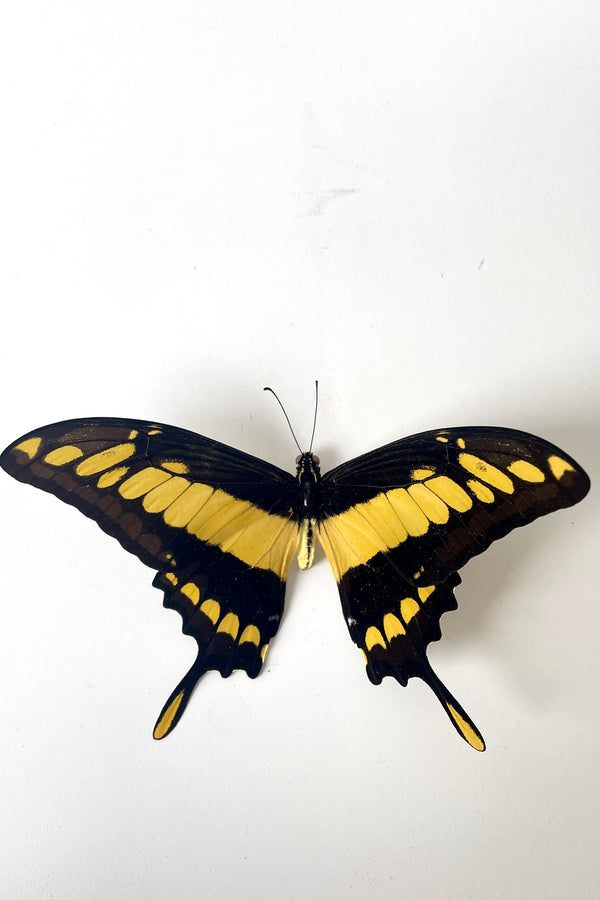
402,200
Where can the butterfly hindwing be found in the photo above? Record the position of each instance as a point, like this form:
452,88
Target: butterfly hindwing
215,523
401,520
231,610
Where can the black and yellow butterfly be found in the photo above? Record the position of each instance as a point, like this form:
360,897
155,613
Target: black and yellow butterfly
221,527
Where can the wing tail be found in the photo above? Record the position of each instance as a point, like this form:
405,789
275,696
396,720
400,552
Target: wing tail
459,718
174,708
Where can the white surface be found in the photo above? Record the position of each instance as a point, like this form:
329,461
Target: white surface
203,198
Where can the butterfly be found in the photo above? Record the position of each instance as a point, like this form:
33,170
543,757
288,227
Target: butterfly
220,527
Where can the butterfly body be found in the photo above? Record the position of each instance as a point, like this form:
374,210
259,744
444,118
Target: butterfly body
308,476
220,527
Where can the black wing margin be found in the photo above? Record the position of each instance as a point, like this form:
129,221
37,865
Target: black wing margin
215,523
401,521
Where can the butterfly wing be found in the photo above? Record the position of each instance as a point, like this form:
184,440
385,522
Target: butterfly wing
216,524
399,522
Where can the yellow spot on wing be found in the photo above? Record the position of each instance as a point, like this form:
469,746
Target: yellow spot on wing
162,496
486,472
229,624
133,434
29,447
247,530
526,471
178,468
212,609
181,512
559,466
425,592
353,537
356,528
338,552
412,516
142,482
105,459
461,443
112,477
216,515
392,626
420,474
63,455
450,492
164,723
250,635
466,729
442,439
266,541
170,576
192,592
481,491
434,508
381,515
373,637
255,536
409,608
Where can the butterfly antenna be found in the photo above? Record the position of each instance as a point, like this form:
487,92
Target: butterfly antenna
312,437
287,418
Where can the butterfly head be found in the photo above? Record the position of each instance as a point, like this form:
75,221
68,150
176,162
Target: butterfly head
307,466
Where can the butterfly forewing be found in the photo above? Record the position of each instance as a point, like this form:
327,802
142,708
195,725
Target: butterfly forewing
434,500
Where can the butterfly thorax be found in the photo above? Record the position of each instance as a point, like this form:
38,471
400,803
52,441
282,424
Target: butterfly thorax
308,476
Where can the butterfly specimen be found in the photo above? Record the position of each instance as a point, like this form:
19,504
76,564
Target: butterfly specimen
220,527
